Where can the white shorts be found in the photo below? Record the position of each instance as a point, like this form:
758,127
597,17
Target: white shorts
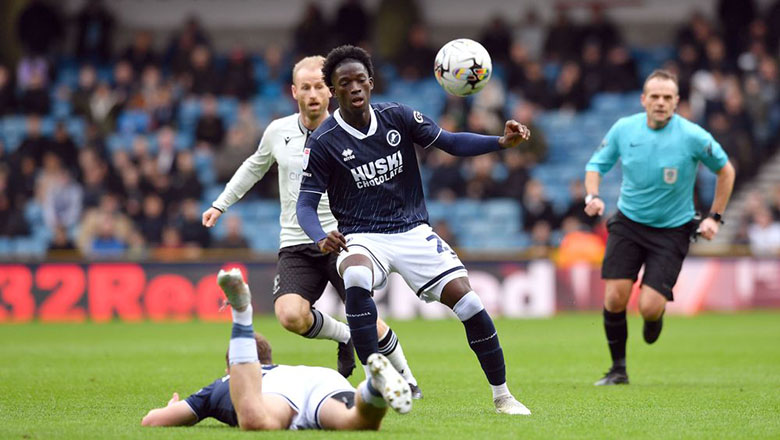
305,389
423,260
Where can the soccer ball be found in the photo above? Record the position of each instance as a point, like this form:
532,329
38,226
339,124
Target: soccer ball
462,67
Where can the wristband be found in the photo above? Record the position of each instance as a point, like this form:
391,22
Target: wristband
717,217
591,197
217,209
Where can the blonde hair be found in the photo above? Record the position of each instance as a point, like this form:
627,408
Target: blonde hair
315,61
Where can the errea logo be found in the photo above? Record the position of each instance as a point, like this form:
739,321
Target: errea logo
347,154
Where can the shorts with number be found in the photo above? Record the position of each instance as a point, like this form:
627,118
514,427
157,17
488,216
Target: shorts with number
422,259
303,269
306,389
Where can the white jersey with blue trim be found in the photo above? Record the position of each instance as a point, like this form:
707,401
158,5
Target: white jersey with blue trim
371,175
283,142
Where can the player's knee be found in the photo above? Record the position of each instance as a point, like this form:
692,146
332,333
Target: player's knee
651,311
358,276
291,319
468,306
616,296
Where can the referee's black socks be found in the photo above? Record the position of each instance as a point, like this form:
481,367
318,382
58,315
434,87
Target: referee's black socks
617,333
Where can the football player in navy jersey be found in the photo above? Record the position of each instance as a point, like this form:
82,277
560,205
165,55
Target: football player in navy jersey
303,271
364,157
257,396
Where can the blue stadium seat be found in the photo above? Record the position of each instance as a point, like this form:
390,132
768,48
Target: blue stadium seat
133,122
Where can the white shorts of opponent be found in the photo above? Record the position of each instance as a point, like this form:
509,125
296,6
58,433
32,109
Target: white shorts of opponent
305,389
423,260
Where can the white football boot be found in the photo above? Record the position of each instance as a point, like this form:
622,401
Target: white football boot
235,289
509,405
390,383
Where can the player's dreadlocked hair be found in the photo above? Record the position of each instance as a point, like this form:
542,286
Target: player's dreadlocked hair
342,54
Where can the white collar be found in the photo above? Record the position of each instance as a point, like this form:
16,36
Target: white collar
354,131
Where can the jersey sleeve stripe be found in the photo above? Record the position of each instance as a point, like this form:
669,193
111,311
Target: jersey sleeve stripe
309,191
434,139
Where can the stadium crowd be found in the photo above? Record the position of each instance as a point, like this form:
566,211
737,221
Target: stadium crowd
119,148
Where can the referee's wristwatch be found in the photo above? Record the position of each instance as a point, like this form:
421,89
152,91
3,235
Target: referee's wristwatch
716,216
590,197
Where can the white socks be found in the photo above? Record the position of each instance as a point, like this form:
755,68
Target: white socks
370,395
332,329
243,317
243,348
500,390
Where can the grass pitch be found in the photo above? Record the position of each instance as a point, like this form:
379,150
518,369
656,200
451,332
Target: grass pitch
713,376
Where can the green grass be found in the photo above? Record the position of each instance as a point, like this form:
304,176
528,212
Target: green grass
713,376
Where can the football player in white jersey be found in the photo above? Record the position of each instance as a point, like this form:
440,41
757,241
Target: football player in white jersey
303,271
257,396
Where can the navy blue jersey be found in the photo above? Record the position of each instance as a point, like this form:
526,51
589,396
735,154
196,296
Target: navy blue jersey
214,400
371,177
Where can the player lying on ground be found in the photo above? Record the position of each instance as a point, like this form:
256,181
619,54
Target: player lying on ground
364,157
303,271
257,396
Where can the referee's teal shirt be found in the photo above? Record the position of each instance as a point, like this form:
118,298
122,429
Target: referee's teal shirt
659,167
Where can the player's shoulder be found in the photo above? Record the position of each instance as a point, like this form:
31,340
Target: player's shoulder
325,130
283,124
630,122
382,107
689,127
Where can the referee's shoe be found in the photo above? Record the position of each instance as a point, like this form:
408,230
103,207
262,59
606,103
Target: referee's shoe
651,330
615,376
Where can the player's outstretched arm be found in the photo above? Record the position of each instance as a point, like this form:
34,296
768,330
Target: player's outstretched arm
472,144
246,176
514,134
176,413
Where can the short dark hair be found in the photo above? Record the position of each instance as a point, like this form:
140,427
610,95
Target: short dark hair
263,350
343,54
662,74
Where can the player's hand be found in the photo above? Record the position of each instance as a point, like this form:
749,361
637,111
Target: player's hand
174,399
333,242
514,134
708,228
595,207
210,217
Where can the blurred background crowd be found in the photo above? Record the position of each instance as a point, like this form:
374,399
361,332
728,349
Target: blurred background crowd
113,151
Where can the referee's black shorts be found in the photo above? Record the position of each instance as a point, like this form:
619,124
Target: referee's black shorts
661,250
303,269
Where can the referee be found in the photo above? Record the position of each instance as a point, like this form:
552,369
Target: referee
659,152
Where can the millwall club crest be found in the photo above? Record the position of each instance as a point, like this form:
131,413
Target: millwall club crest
305,162
670,175
393,138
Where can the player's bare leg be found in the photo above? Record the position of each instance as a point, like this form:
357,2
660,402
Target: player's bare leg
616,296
384,387
483,340
253,410
296,314
652,305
